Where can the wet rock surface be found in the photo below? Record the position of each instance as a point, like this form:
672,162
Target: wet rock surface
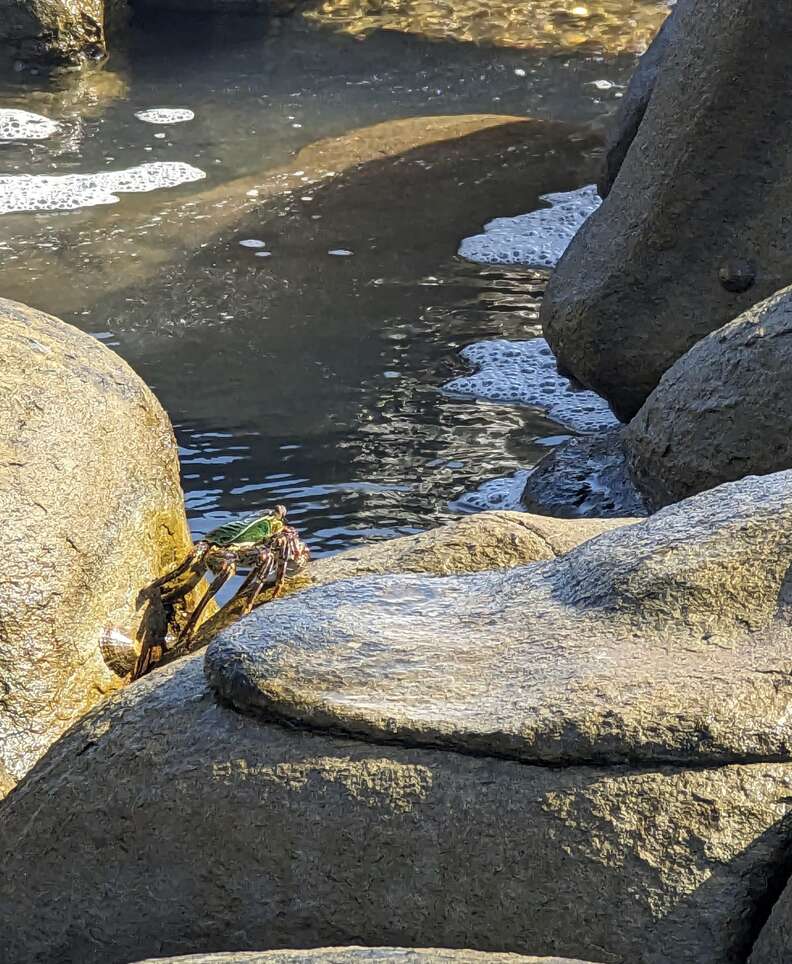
364,955
585,477
722,411
619,309
658,642
92,512
56,32
162,801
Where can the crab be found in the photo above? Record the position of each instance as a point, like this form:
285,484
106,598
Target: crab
264,544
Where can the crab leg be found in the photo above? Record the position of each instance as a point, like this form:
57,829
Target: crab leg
226,571
256,580
195,558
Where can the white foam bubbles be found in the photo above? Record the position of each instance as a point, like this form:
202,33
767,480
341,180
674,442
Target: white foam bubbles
496,494
32,192
524,373
537,239
21,125
165,115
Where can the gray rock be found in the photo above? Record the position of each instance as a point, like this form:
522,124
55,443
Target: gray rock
774,944
658,642
52,31
694,230
723,411
363,955
164,823
585,477
92,512
632,106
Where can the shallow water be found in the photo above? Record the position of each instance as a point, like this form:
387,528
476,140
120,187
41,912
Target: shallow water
305,366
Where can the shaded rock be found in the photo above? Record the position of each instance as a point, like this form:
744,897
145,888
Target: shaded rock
774,942
663,642
92,512
722,411
364,955
52,31
670,256
632,106
162,802
586,476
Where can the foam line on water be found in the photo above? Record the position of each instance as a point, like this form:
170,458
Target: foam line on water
502,494
21,125
537,239
525,373
33,192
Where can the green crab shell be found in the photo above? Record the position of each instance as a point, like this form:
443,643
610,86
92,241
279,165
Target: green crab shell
249,531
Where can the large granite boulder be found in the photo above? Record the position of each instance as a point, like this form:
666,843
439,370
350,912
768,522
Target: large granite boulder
92,511
632,106
694,230
387,782
774,944
362,955
721,412
52,31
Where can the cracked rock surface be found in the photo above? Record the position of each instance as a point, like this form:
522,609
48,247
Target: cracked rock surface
609,777
92,511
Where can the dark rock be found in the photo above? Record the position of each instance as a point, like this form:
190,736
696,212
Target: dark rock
585,477
705,183
632,106
723,411
56,32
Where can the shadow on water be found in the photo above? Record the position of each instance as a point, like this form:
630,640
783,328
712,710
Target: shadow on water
293,374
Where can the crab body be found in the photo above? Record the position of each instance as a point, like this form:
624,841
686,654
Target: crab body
263,544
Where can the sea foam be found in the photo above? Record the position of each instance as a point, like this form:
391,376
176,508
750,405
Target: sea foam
35,192
537,239
21,125
525,373
165,115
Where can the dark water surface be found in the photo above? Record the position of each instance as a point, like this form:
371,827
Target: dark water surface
292,374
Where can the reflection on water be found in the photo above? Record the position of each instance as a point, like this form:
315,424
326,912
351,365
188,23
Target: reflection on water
293,374
606,26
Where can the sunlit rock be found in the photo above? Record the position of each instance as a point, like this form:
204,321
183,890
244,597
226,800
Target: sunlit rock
92,511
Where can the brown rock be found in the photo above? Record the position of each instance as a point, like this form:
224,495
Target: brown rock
92,512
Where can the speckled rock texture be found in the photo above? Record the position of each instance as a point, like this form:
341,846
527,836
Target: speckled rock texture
57,32
165,823
670,256
477,543
92,512
363,955
585,477
487,540
632,106
666,641
724,410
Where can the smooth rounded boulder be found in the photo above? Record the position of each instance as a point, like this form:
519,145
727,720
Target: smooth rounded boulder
92,512
721,412
605,776
694,230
